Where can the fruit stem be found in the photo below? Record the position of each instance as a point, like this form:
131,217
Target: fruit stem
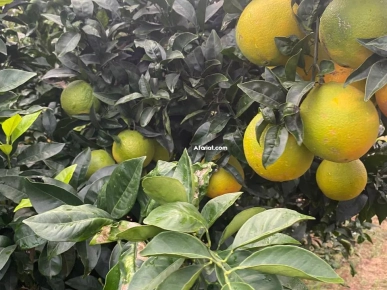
315,67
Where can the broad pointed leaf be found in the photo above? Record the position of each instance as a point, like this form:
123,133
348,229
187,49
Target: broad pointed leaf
265,224
123,186
177,216
275,142
12,78
293,262
38,152
69,223
176,244
217,206
238,221
182,279
154,271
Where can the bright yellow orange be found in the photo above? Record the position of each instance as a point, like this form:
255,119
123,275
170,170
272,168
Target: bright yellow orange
260,22
341,181
222,181
339,125
293,163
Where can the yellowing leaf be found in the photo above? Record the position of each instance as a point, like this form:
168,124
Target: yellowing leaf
7,149
24,124
3,2
23,204
66,174
382,138
10,125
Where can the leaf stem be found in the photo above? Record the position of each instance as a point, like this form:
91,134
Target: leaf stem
9,161
228,256
315,67
208,238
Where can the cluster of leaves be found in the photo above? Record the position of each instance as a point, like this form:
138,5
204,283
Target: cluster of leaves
77,237
171,70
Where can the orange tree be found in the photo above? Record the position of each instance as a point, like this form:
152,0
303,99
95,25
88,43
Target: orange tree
173,73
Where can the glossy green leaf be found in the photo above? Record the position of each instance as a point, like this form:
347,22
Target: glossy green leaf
276,139
217,206
69,223
139,233
184,174
293,262
128,98
238,221
237,286
275,239
154,270
265,224
291,66
263,92
12,78
177,216
297,91
89,255
164,189
45,197
123,186
82,160
38,152
58,248
363,70
181,40
25,238
84,283
49,266
185,9
5,254
176,244
182,279
376,79
66,174
67,42
260,281
25,123
10,125
376,45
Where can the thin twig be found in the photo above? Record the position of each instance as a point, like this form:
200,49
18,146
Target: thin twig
315,67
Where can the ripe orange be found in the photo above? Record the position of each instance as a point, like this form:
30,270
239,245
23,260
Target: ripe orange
293,163
339,125
222,181
341,181
260,22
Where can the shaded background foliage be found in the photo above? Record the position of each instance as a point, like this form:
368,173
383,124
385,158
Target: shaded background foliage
169,69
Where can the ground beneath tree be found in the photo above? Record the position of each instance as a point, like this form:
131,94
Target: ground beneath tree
370,262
